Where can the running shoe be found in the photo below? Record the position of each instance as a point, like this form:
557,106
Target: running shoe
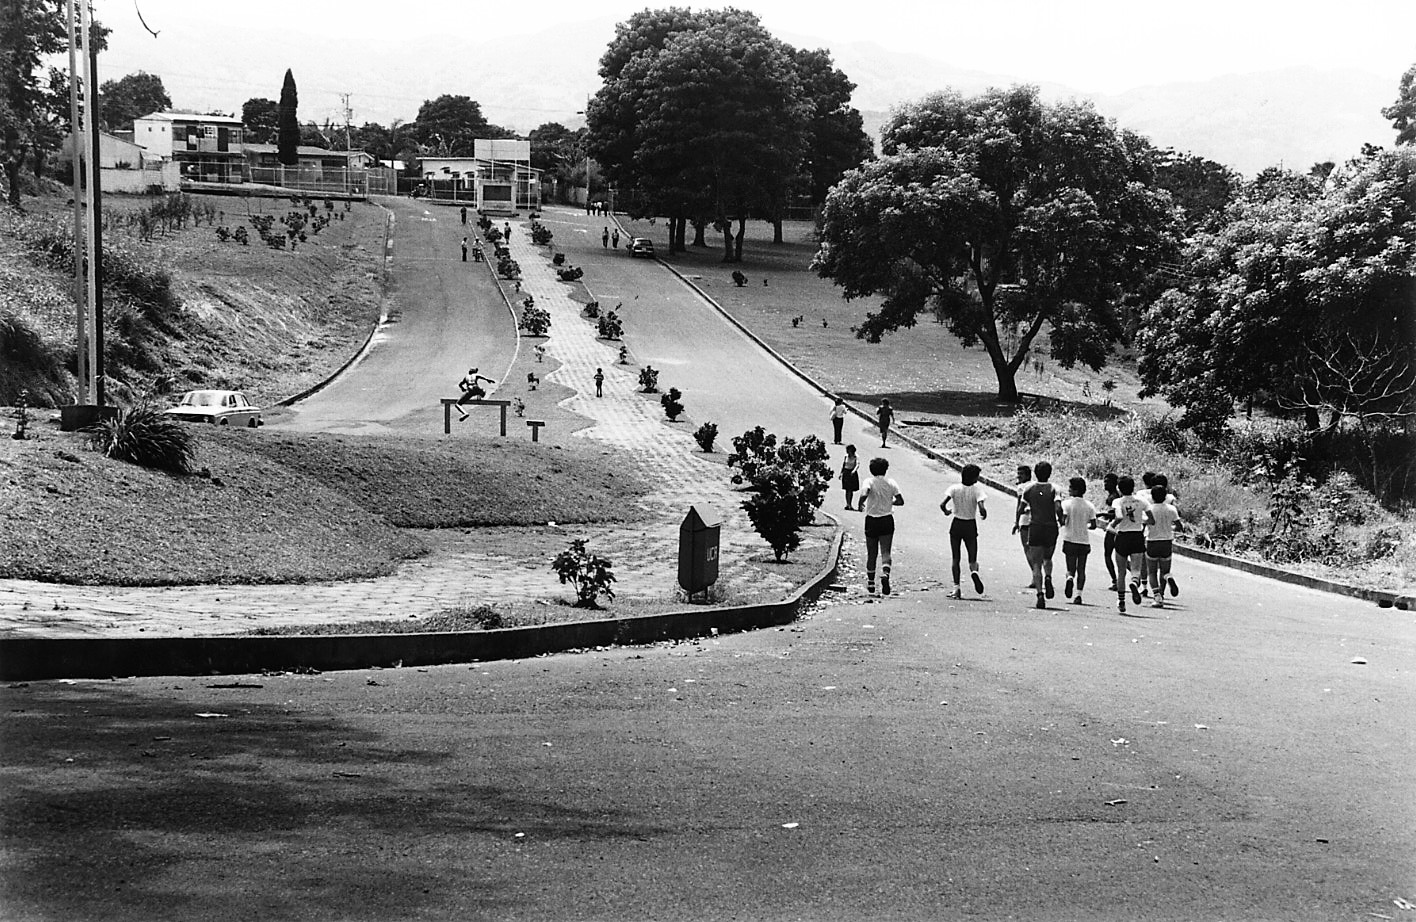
978,582
870,587
1047,586
1174,589
1121,604
1067,589
1078,599
1041,603
1135,592
956,594
1158,603
884,585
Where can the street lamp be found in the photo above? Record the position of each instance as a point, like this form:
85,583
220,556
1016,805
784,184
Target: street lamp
586,112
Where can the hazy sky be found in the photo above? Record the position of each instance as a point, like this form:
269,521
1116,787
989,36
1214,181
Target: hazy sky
1104,46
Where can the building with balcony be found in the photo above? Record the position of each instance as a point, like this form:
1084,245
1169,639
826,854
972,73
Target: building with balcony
206,148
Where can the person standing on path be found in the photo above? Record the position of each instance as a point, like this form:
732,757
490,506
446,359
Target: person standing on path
605,238
615,238
599,382
964,501
1022,515
1129,512
1078,519
884,416
506,232
1045,507
464,214
877,500
464,249
850,476
838,420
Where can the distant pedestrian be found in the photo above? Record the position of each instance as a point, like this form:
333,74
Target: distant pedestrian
965,502
884,415
1045,507
850,476
838,420
506,232
615,238
1161,521
464,214
599,382
1078,518
605,238
877,500
1022,513
464,249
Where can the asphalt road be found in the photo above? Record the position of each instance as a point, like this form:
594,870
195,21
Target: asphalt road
912,758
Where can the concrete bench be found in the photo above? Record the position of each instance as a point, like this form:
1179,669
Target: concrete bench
535,425
449,402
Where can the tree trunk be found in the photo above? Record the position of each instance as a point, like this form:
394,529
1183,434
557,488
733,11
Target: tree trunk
1006,373
699,229
737,246
13,165
727,241
777,231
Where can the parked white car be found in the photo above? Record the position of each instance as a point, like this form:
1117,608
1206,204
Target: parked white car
219,408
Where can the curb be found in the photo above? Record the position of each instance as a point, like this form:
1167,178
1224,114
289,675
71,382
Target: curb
1383,598
35,659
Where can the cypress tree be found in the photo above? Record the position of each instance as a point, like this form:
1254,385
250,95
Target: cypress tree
288,125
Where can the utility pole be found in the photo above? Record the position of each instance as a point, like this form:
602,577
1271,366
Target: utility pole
348,116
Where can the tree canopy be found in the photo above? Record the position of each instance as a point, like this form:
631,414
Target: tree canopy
130,97
1403,112
287,137
1001,214
1301,301
449,126
261,119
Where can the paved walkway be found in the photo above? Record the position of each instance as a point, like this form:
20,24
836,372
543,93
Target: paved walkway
458,571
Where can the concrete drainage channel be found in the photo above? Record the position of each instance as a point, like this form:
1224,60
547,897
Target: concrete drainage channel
38,658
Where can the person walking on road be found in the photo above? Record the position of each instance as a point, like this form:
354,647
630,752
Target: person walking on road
615,238
605,238
1078,519
506,232
850,476
464,249
1022,515
599,382
1129,512
464,214
1108,541
1045,507
964,501
884,415
838,420
1161,520
877,500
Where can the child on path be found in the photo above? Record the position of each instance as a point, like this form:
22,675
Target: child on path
1022,516
1129,512
1078,518
838,420
877,500
506,232
599,382
1045,509
464,249
1161,520
615,238
850,475
964,501
1108,542
885,415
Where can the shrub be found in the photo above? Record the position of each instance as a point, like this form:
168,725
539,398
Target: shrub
1163,432
592,309
1027,430
143,435
672,404
706,435
540,234
788,481
649,379
610,326
590,573
774,510
558,259
751,450
536,321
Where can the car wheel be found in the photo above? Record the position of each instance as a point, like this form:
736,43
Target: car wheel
252,423
225,421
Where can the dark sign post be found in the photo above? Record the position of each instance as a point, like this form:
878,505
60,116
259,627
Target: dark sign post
698,550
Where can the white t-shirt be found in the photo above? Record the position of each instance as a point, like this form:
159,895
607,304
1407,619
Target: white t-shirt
1162,526
965,500
1025,511
1079,512
1130,512
879,494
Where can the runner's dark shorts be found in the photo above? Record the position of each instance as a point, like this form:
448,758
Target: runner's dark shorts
964,528
1159,550
1042,536
1130,542
1075,550
877,526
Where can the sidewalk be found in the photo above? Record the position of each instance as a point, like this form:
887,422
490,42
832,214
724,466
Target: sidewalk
459,571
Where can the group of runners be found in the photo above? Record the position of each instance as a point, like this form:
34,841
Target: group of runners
1138,527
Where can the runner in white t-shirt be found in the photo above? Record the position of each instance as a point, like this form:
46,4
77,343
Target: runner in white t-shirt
1129,513
878,499
1161,519
1078,518
964,501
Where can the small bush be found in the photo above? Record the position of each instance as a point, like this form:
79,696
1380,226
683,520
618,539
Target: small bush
610,326
649,379
1027,430
706,435
590,574
143,435
536,321
540,234
672,404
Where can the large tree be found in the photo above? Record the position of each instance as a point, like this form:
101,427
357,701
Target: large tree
836,140
1302,302
1403,112
1002,215
449,125
30,30
287,137
260,117
701,116
1201,188
130,97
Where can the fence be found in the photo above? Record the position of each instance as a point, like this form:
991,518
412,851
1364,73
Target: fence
353,183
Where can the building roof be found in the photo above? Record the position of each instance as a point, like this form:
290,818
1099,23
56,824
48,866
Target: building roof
192,117
304,150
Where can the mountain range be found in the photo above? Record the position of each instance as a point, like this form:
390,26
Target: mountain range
1293,117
